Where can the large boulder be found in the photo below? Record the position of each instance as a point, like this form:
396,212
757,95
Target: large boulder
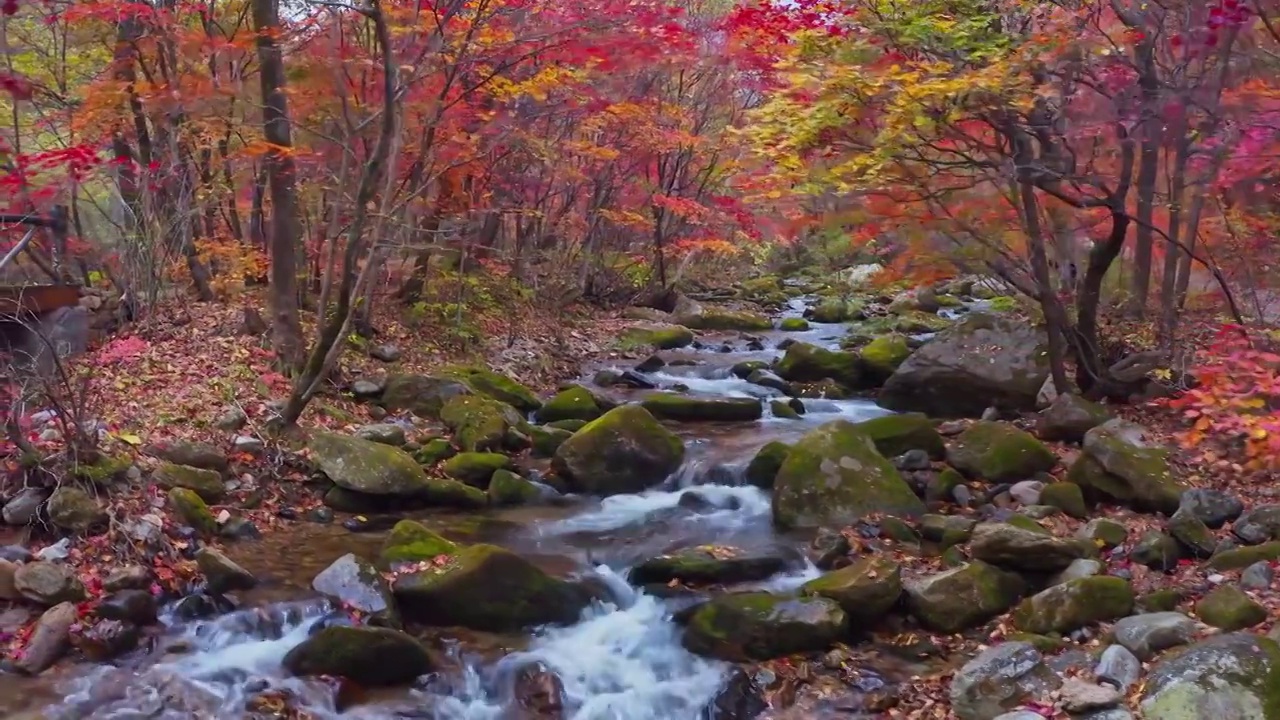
481,423
865,590
962,597
1017,548
1075,604
573,403
625,450
808,363
495,385
488,588
763,626
411,542
422,395
900,433
714,318
982,361
674,406
371,656
834,476
1000,678
1235,676
1121,463
999,452
365,466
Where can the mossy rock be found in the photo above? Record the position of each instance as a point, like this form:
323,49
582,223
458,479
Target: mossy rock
369,656
508,488
488,588
572,426
894,435
1228,608
575,403
367,467
1243,557
1069,417
1165,600
999,452
205,483
661,336
1194,535
105,471
75,511
475,468
1121,463
963,597
793,325
947,530
882,356
1104,533
835,476
674,406
434,451
804,362
707,565
916,322
412,542
626,450
1236,675
744,369
783,409
822,389
764,466
836,310
495,385
422,395
547,439
482,424
1043,643
1075,604
866,590
1157,551
721,319
1017,546
763,626
1002,304
193,511
1067,497
941,487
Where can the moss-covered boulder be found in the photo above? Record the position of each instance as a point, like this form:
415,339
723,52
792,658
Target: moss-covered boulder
999,679
764,466
883,355
422,395
1075,604
626,450
980,362
1242,557
1103,533
572,426
896,434
547,439
963,597
75,511
999,452
508,488
784,409
1067,497
808,363
1236,676
1193,534
708,565
205,483
434,451
475,468
485,587
193,511
661,336
481,424
411,542
495,385
915,322
947,530
836,310
763,626
865,590
1228,608
575,403
835,476
1122,463
1157,551
370,656
1069,417
1009,546
365,466
686,408
713,318
793,325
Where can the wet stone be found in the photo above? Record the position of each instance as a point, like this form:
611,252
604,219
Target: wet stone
1118,668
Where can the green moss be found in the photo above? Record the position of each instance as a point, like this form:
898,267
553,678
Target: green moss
962,597
547,439
475,468
570,425
762,626
896,434
793,325
1228,608
434,451
998,452
1043,643
1075,604
656,335
1243,557
882,356
746,367
481,424
916,322
783,409
1104,533
193,510
1026,523
575,403
836,310
205,483
1002,304
508,488
411,542
941,487
624,450
764,466
423,395
1067,497
495,385
674,406
807,363
370,656
721,319
1165,600
865,590
106,470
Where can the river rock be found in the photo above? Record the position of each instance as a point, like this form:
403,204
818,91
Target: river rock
422,395
371,468
626,450
189,508
23,508
835,476
495,385
960,598
75,511
539,693
1009,546
1074,604
192,454
1157,551
358,585
1258,525
1082,568
475,468
739,698
1229,676
48,583
1147,634
411,542
1214,508
1193,534
484,587
661,336
718,318
865,590
1103,533
804,362
137,607
106,640
1228,608
371,656
684,408
1077,696
1258,576
999,452
1121,463
901,433
49,640
1000,678
573,403
763,626
221,574
981,361
482,424
881,357
385,433
205,483
1069,417
764,466
507,488
707,565
8,590
1118,668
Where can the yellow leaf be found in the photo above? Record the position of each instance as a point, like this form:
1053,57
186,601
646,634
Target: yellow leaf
130,438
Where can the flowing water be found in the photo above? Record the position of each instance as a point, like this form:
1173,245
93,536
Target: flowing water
622,661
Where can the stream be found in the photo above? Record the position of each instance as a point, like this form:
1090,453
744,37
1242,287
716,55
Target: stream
622,661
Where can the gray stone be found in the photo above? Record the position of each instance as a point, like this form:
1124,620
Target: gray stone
48,583
1000,678
358,585
1214,508
1079,696
1083,567
1147,634
221,574
385,433
1229,676
1109,714
1016,548
1258,525
1257,576
1020,715
1118,667
7,589
50,639
1027,492
23,507
231,420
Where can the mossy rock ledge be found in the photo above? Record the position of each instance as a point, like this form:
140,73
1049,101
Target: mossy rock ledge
762,626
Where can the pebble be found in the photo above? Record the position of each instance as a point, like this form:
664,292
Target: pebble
1080,696
1118,668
